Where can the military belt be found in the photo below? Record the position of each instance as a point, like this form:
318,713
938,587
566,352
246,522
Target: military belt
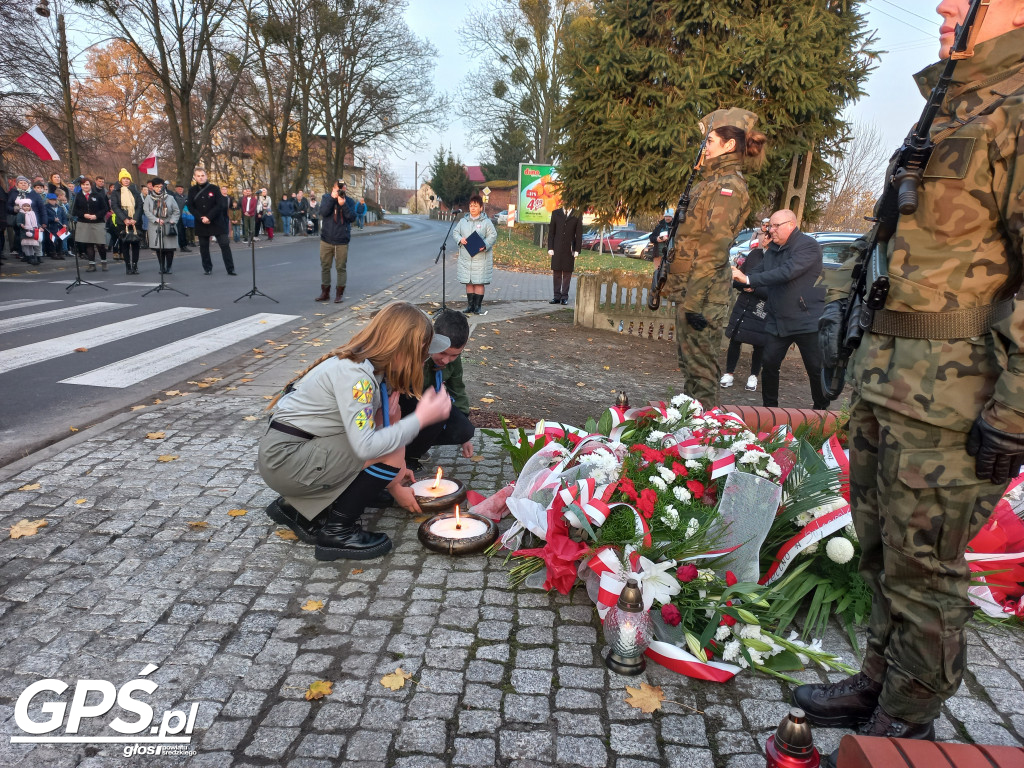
957,324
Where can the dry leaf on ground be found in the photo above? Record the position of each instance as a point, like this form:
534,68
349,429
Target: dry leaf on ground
138,407
486,399
646,698
155,435
250,418
197,525
172,393
354,571
395,680
287,535
580,384
73,429
313,605
478,457
80,501
319,689
81,349
238,512
26,528
166,457
30,487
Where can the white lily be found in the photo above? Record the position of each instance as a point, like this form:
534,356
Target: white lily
657,581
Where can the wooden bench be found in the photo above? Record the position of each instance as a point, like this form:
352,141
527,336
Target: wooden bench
616,300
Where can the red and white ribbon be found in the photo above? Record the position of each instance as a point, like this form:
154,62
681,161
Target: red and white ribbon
675,658
814,531
836,457
589,498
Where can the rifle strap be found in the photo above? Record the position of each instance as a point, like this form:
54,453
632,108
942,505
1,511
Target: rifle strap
1013,84
956,324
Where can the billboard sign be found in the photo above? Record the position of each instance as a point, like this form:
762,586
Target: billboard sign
539,193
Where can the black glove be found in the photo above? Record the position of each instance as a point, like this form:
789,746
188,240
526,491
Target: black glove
696,320
1000,454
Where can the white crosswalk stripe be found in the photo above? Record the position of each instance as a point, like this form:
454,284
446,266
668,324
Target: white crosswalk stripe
18,280
132,370
65,282
139,285
25,303
19,357
58,315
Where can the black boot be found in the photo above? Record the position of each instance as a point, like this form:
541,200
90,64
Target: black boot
846,704
470,303
478,301
283,513
168,260
342,537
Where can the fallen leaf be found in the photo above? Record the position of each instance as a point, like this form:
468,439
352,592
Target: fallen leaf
477,457
395,680
157,401
258,351
354,571
73,429
26,528
580,384
244,381
486,399
138,407
250,418
287,535
485,347
155,435
81,349
229,388
607,368
32,487
197,525
266,397
202,385
646,698
172,393
313,605
237,512
166,457
496,330
80,501
320,688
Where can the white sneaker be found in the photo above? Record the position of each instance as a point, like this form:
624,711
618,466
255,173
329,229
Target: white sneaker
751,383
726,380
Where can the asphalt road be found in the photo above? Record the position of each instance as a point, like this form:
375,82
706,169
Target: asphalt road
136,346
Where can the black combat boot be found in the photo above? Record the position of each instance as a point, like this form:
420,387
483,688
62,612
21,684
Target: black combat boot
846,704
882,724
342,537
470,303
283,513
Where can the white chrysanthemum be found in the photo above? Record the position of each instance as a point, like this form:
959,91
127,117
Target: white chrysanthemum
654,438
773,467
757,657
692,527
666,474
751,457
829,507
811,549
749,631
602,465
839,549
761,473
692,464
722,632
682,494
670,516
672,415
731,652
658,483
803,519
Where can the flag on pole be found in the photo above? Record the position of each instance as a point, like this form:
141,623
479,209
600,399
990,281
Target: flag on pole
38,233
149,164
34,140
61,233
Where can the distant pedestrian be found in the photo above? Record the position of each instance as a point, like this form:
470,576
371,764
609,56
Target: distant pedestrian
337,212
475,270
235,218
249,206
361,213
126,205
565,240
285,209
299,214
210,208
163,214
29,225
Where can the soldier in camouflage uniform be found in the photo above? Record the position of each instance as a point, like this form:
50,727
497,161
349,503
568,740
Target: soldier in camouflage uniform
699,279
937,422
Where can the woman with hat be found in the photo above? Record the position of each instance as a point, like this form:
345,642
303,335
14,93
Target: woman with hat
700,277
163,213
88,211
126,205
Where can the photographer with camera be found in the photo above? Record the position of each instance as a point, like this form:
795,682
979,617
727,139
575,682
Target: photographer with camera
337,212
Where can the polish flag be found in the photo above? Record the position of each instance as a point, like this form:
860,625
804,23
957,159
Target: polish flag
149,164
38,233
34,140
62,233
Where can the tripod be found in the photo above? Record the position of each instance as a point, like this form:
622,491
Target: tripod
255,291
163,284
78,271
441,254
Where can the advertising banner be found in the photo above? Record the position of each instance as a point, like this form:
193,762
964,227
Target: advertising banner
538,193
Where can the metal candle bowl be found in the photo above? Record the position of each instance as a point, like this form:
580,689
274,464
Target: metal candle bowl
449,546
433,504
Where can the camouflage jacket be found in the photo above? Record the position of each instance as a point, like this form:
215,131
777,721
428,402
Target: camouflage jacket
960,250
718,207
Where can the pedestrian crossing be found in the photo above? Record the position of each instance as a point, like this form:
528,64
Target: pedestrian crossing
134,368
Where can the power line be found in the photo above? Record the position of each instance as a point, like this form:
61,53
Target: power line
931,20
902,21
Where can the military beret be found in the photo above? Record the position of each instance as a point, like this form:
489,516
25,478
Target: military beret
734,116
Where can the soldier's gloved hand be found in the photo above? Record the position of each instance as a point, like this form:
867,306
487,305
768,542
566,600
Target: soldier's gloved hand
999,454
696,320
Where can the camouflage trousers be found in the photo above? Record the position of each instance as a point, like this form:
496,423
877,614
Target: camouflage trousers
698,351
916,504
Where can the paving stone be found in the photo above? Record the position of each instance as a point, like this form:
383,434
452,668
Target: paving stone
493,652
428,736
634,739
288,713
586,751
526,745
684,729
426,705
576,698
526,709
535,658
482,696
478,721
731,742
368,746
476,752
441,681
271,742
531,681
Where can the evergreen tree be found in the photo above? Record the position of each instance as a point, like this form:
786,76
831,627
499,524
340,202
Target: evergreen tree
647,71
449,179
510,146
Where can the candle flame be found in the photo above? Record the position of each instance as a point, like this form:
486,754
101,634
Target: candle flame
458,520
437,480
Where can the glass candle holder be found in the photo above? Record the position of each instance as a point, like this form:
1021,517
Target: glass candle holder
627,630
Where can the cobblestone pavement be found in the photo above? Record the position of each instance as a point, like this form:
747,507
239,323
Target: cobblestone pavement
119,579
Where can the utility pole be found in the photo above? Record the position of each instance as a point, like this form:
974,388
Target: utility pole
415,188
64,70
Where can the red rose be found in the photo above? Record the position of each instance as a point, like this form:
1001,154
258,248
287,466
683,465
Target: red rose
646,502
730,578
670,615
686,573
696,488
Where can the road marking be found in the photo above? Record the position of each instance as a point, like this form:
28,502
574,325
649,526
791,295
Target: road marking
19,357
58,315
140,367
140,285
23,303
17,280
281,264
64,282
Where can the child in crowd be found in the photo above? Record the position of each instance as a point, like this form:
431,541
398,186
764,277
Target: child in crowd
235,217
28,225
338,437
56,220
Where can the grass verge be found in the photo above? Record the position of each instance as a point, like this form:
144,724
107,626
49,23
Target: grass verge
515,251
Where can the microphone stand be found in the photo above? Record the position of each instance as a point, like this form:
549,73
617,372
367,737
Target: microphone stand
163,285
255,291
441,254
78,270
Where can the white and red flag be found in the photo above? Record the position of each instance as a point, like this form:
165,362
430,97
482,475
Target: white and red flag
62,233
149,164
34,140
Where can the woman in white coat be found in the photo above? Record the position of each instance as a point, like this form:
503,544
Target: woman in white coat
475,270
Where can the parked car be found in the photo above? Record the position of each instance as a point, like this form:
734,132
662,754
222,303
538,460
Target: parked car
741,244
621,247
613,239
834,246
501,218
637,248
590,236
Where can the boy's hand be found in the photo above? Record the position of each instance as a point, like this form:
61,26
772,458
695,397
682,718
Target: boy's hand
405,498
467,449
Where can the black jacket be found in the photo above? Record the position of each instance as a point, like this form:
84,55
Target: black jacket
207,200
94,203
120,214
750,312
336,219
787,278
565,237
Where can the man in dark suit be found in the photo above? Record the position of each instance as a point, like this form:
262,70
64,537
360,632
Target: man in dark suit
565,238
786,278
210,207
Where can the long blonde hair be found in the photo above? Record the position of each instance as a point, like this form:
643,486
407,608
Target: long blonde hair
396,341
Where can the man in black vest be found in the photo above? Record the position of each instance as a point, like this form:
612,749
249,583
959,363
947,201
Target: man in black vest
210,208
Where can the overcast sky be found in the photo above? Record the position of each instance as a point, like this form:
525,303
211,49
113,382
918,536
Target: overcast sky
908,32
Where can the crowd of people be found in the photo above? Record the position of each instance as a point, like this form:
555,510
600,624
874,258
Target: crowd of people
93,219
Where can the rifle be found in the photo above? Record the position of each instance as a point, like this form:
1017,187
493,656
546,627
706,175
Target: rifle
844,322
661,273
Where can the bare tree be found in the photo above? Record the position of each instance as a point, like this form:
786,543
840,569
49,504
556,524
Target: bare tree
850,193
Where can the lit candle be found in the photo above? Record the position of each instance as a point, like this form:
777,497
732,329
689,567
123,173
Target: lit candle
453,528
434,489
